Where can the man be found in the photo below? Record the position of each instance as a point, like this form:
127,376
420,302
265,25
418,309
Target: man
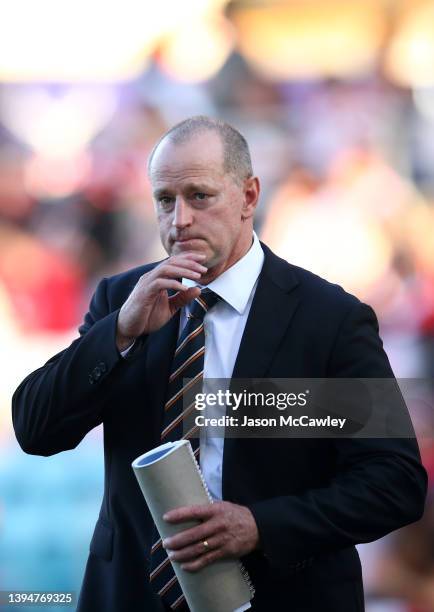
293,509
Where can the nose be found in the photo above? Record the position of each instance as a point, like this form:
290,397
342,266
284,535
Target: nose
182,215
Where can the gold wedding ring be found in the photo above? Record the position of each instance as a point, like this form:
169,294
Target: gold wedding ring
205,543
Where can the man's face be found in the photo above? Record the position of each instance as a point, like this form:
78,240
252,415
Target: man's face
199,207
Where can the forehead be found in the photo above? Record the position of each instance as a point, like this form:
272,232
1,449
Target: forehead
201,157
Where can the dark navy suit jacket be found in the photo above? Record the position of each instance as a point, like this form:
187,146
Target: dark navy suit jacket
313,499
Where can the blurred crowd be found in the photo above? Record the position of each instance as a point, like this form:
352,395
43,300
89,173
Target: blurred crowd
347,174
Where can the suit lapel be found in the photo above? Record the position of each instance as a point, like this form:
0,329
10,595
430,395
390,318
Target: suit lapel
273,307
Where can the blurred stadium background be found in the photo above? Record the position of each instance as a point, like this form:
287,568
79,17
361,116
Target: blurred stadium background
336,98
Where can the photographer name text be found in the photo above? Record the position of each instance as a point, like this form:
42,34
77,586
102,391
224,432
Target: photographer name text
281,421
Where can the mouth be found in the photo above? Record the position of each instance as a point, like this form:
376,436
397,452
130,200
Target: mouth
185,241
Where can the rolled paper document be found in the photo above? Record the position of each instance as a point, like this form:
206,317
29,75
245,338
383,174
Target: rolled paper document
169,477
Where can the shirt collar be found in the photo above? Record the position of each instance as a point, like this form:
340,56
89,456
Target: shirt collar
236,283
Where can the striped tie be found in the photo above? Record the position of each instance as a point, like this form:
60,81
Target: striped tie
188,364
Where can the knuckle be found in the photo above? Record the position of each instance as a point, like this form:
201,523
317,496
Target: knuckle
161,268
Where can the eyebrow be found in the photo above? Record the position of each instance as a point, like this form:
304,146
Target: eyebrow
159,192
201,187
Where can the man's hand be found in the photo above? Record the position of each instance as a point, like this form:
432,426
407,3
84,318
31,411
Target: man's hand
229,530
149,307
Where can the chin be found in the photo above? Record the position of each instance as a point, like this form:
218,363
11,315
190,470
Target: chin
178,248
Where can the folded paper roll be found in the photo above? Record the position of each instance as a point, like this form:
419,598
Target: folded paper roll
170,477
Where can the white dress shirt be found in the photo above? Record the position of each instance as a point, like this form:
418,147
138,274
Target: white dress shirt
224,326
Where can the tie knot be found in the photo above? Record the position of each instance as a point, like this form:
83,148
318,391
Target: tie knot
206,300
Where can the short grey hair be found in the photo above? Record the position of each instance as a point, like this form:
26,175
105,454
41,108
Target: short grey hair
236,154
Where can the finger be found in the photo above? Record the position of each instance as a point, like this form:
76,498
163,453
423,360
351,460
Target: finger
167,283
196,255
185,262
180,299
193,535
203,560
184,513
192,552
169,271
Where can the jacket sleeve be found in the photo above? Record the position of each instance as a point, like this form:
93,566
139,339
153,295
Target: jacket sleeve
379,484
58,404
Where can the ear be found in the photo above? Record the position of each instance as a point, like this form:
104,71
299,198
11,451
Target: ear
251,196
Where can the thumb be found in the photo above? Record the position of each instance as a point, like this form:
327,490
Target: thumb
182,298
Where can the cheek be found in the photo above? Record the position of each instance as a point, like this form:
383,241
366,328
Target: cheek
164,226
225,233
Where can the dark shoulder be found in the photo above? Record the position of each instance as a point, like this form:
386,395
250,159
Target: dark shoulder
318,296
327,305
323,291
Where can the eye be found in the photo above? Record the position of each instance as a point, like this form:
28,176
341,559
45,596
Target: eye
165,202
200,196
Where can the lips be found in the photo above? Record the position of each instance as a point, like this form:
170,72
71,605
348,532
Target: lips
181,240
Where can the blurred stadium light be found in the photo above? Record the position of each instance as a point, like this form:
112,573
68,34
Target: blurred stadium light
310,38
101,40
